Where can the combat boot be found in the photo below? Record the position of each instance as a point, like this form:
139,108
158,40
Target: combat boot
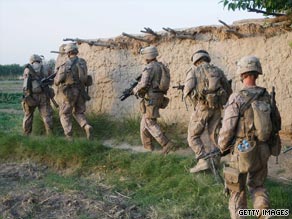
69,137
168,147
88,130
200,166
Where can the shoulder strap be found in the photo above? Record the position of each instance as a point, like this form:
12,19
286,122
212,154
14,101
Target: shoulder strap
30,68
246,105
74,62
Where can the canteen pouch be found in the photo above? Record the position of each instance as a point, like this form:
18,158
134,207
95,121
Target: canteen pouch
248,160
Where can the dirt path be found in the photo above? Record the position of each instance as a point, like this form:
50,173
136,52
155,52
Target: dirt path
278,169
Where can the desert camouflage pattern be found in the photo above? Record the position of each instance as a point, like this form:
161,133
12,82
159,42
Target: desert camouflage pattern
148,88
41,101
254,179
204,116
69,95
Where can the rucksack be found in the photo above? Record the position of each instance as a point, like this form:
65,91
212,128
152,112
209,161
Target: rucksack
82,70
212,86
261,108
165,78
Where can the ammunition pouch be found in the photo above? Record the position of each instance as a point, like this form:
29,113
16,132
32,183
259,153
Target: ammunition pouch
51,93
275,144
84,94
248,160
212,100
164,103
89,81
36,87
30,101
234,180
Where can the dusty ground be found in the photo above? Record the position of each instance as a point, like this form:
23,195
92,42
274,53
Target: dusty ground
24,194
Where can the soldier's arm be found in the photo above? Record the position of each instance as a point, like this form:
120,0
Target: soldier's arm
25,73
144,83
226,84
229,122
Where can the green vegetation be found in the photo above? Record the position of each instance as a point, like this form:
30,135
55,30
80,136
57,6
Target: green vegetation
151,181
10,72
268,7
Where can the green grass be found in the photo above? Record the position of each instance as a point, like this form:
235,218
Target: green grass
10,101
151,180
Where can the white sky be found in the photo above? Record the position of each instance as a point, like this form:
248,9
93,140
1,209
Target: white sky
39,26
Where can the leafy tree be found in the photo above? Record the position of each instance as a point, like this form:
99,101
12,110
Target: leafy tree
267,7
11,71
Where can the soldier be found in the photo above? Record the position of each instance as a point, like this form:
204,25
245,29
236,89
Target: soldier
71,79
208,90
34,96
152,91
247,125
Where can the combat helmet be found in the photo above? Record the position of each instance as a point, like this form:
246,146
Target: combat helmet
149,52
71,47
249,64
199,55
35,58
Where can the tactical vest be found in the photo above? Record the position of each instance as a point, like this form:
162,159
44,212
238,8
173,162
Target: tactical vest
72,72
207,83
34,76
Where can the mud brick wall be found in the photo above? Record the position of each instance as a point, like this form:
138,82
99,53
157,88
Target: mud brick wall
113,69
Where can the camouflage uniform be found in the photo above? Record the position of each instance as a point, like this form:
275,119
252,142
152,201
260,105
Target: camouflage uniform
204,115
35,96
234,129
71,93
153,99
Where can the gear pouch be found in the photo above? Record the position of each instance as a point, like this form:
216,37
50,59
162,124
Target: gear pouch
248,160
233,179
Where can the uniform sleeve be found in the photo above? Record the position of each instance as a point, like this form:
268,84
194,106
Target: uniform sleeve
61,74
226,84
25,73
229,122
144,83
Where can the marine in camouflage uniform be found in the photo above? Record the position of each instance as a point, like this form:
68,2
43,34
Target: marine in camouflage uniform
236,127
152,100
34,96
208,98
71,79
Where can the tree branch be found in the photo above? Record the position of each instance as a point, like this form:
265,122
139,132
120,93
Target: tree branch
264,12
150,31
136,38
231,30
179,34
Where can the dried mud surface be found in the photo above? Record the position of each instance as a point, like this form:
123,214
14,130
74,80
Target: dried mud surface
24,194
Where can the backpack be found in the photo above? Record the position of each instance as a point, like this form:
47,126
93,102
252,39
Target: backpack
212,85
165,78
261,126
82,71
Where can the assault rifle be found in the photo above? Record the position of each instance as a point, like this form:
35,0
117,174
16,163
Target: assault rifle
62,53
180,87
213,154
45,83
129,91
90,42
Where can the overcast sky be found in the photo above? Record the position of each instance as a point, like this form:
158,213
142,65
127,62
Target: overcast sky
39,26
